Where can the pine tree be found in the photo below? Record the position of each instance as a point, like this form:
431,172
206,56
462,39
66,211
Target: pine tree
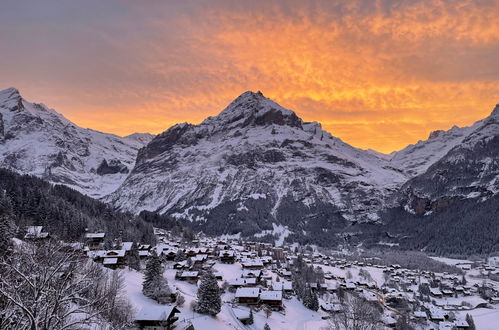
134,258
5,234
180,256
155,285
470,321
310,300
251,320
209,301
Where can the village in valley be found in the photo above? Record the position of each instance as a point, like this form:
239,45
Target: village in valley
227,283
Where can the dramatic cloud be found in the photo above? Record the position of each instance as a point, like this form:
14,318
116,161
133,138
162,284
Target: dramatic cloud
378,74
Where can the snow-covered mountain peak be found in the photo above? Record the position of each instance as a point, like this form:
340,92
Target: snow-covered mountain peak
495,112
10,98
40,141
256,154
253,109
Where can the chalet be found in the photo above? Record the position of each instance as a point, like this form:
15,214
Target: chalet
242,315
94,240
242,282
461,324
144,247
110,263
192,252
252,264
447,292
331,308
189,276
248,296
157,318
435,292
144,254
437,315
227,257
252,273
35,233
285,273
169,254
180,265
199,258
127,246
389,321
119,255
272,299
420,315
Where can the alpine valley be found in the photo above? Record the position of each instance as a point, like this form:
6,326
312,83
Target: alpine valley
257,169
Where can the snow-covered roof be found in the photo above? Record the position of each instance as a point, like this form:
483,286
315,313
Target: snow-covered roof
110,261
127,246
95,235
155,313
247,292
251,273
271,295
189,274
242,281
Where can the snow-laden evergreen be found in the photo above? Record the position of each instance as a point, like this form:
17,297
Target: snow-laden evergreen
155,285
209,301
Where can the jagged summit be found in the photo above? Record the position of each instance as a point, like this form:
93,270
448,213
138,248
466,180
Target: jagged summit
256,154
11,98
40,141
253,109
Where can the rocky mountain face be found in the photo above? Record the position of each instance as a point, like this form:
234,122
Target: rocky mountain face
37,140
257,166
468,170
258,169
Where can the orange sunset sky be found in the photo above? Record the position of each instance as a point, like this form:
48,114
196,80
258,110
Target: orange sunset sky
377,74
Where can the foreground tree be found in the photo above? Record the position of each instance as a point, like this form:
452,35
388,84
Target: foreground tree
209,301
471,322
310,299
134,258
357,314
155,285
47,286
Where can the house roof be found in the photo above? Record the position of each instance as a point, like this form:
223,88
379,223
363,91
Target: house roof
247,292
242,281
127,246
189,274
271,295
110,261
95,235
156,313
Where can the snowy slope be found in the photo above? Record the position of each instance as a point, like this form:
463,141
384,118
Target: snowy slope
37,140
254,164
417,158
470,169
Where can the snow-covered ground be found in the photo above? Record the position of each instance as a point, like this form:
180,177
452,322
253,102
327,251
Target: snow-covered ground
296,316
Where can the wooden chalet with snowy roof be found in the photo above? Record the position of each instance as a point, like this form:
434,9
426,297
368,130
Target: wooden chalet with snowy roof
227,256
271,298
157,317
35,233
94,241
248,296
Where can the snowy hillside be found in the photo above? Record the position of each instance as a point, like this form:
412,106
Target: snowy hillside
470,169
37,140
254,164
417,158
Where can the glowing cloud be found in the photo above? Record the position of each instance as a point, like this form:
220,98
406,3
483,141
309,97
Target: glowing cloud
378,74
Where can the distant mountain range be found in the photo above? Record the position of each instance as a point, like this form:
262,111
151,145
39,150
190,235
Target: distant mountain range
255,169
37,140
